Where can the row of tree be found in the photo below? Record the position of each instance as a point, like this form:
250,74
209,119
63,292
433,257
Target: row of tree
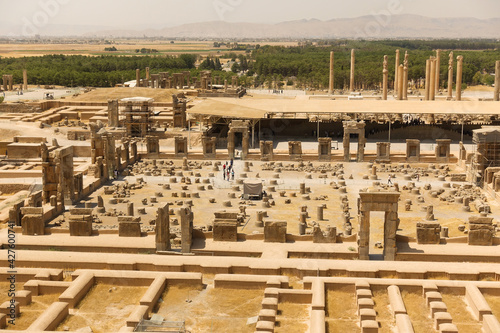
306,65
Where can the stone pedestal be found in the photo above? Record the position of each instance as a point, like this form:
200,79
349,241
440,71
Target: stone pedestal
80,225
275,232
225,231
428,233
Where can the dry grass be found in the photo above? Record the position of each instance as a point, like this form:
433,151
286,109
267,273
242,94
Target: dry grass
341,310
293,317
102,310
460,314
31,312
418,312
211,310
494,303
384,315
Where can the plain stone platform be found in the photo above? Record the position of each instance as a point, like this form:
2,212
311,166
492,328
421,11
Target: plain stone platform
354,268
451,252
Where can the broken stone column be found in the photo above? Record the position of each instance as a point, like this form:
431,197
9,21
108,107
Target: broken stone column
260,219
147,74
302,188
100,205
25,79
353,61
460,62
405,77
137,77
162,229
438,71
319,211
496,96
450,77
396,77
385,73
432,88
130,209
330,89
430,213
400,82
427,79
113,113
186,229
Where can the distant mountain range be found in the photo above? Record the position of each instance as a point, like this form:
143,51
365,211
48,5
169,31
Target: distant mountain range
372,27
369,27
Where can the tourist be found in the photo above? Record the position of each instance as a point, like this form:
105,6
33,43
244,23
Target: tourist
228,179
232,174
116,173
389,181
224,173
224,168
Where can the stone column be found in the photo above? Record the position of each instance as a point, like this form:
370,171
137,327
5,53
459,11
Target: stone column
385,74
438,70
432,88
225,85
244,145
230,144
450,77
400,82
427,79
130,209
162,229
330,89
319,211
460,62
25,79
147,73
396,72
186,229
137,77
113,120
497,82
405,77
353,60
390,228
4,79
364,235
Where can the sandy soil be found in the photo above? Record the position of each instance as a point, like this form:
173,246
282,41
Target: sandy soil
461,315
105,94
211,310
104,316
341,310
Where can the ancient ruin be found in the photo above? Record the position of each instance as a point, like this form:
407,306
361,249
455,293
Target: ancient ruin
220,211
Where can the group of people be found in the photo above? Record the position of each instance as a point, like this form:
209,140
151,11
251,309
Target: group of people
228,171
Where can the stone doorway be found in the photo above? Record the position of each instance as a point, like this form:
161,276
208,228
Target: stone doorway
378,201
358,129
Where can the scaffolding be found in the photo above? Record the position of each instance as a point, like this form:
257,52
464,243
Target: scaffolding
487,153
161,326
137,111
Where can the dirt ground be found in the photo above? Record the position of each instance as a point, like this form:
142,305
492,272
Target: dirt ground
104,94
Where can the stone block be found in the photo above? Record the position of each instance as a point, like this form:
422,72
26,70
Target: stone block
225,231
428,233
129,229
33,225
275,232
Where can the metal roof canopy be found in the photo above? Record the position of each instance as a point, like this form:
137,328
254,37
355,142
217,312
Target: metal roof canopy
250,108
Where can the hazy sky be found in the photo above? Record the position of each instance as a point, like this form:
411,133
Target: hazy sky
161,13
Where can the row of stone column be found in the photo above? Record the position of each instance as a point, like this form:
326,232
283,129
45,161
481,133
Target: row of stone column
8,81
